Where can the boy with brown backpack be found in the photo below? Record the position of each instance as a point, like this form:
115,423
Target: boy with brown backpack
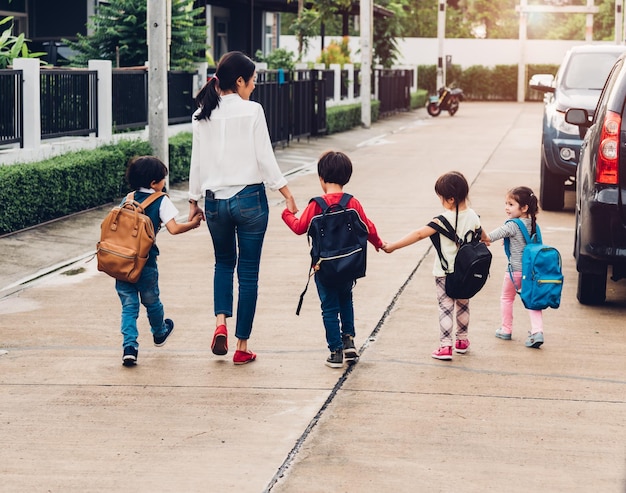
146,176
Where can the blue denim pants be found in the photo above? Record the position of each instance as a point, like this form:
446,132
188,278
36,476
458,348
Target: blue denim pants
337,307
237,226
145,289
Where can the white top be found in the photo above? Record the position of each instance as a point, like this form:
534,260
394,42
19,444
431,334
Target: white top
167,209
468,221
232,150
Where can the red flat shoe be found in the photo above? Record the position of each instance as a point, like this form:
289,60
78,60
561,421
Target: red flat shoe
219,345
243,357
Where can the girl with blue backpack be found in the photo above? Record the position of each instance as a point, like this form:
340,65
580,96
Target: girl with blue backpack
520,204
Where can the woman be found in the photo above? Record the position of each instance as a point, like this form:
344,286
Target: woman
231,159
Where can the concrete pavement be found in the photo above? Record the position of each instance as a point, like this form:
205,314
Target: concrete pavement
500,418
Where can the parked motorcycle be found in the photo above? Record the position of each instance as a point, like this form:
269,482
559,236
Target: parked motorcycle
448,99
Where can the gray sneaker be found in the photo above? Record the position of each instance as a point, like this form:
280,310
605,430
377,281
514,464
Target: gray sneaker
335,360
349,351
534,340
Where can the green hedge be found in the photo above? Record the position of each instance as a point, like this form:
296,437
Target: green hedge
347,116
482,83
33,193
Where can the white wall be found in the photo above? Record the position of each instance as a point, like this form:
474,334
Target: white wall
464,52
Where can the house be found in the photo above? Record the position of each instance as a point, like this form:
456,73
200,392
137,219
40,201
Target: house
244,25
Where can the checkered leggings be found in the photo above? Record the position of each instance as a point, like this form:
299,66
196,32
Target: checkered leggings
449,308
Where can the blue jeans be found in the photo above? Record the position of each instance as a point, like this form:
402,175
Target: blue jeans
146,289
336,306
237,226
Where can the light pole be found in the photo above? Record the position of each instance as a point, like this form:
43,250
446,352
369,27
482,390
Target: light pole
441,34
366,14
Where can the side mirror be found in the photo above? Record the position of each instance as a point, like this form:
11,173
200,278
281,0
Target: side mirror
542,82
578,116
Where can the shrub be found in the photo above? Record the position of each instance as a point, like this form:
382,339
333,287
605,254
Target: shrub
63,184
345,117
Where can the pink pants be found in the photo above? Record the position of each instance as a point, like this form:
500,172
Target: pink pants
506,305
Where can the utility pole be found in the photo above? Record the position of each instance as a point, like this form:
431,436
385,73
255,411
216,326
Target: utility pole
619,21
441,35
157,80
366,15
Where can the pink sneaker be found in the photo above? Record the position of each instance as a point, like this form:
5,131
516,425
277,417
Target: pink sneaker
462,346
444,352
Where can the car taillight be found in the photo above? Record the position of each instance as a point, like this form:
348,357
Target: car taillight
608,153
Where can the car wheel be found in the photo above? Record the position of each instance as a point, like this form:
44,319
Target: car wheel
551,190
433,109
591,288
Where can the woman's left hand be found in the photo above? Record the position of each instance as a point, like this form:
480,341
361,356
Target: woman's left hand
291,205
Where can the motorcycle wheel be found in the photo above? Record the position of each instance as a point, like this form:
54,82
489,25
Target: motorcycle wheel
454,106
433,109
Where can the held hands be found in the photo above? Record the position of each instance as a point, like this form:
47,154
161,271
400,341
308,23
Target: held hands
290,203
196,220
387,247
195,210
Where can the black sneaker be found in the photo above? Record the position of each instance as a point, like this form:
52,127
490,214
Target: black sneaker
335,360
130,356
169,328
349,351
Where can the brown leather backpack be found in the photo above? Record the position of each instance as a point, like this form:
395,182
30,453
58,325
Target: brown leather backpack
126,236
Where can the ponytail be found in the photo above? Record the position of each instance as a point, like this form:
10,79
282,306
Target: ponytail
524,196
231,66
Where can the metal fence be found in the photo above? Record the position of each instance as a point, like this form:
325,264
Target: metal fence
273,92
180,97
68,102
130,98
11,107
394,90
294,103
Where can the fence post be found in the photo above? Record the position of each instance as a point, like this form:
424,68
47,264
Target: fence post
350,68
200,77
105,97
32,101
335,67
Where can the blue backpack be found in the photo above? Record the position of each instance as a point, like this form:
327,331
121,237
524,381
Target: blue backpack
542,276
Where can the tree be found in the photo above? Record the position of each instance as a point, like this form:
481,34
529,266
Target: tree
119,35
13,46
386,32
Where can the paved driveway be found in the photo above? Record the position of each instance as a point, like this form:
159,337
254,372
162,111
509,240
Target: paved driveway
500,418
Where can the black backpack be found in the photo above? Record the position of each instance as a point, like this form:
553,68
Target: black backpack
471,264
338,238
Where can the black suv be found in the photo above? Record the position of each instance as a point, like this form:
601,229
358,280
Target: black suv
577,84
600,239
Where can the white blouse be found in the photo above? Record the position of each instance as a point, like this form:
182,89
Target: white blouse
232,150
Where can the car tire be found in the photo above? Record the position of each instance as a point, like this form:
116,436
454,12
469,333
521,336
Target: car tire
591,288
551,189
433,109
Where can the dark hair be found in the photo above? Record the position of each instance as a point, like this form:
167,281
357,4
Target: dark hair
452,185
524,196
334,167
231,66
143,170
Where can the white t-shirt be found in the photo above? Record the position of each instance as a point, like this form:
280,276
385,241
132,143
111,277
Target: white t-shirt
167,209
468,221
232,150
